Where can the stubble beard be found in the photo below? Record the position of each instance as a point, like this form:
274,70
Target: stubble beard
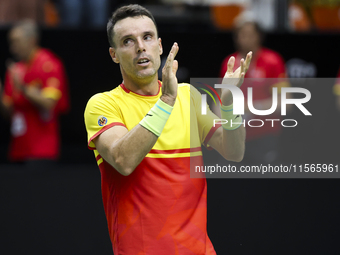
144,75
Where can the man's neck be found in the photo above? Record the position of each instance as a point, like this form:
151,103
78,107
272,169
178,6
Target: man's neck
254,50
143,86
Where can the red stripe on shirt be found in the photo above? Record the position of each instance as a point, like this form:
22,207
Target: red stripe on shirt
102,130
175,151
166,151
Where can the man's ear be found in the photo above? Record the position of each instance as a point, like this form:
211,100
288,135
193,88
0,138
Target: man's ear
113,55
160,46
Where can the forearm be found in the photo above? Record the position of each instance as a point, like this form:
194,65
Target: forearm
234,143
127,153
233,130
31,93
233,134
35,96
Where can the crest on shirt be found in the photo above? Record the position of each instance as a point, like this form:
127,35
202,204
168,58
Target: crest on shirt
102,121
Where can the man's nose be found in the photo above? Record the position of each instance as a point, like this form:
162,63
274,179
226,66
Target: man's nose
140,45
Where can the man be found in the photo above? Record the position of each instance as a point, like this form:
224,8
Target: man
35,93
143,141
266,71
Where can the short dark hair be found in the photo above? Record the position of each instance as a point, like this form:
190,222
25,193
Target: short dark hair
132,10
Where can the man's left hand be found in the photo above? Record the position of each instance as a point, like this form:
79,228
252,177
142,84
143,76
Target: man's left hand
234,78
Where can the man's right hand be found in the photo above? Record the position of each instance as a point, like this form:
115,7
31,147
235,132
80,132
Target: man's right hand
170,84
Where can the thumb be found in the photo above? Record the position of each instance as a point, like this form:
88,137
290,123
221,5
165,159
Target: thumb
174,67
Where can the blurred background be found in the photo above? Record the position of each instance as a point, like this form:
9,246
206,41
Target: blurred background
58,209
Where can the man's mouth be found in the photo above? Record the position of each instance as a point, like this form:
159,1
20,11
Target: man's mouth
143,61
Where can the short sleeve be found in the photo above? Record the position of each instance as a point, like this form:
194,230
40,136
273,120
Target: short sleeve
205,122
101,113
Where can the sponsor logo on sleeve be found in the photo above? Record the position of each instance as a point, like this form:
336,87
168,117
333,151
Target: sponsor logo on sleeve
102,121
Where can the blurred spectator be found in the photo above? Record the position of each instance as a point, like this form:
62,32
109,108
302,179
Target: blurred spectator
336,91
264,13
51,15
15,10
34,94
75,13
307,14
262,142
326,14
299,19
41,11
226,12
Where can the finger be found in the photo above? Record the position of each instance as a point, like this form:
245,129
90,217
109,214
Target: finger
171,57
241,79
176,49
175,67
242,66
173,52
231,63
248,59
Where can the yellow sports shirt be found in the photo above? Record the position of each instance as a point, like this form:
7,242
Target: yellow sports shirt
158,209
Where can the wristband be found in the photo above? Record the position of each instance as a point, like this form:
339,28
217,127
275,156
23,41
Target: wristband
155,119
233,121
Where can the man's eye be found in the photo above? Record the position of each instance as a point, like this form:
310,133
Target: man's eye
127,41
148,37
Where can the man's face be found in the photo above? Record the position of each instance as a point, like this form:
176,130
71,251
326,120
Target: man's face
137,47
20,44
247,38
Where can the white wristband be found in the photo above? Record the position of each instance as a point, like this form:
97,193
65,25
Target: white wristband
233,121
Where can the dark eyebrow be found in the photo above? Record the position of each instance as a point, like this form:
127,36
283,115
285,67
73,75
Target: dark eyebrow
149,32
125,36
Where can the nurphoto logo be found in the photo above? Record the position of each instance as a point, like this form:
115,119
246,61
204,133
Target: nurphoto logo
238,104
